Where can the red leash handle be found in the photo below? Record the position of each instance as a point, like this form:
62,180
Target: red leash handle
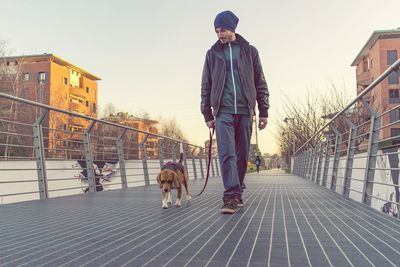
209,161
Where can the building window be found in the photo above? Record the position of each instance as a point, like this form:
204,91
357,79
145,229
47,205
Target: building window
391,56
365,65
395,132
395,115
75,128
87,89
94,107
42,77
87,103
394,96
65,81
393,77
26,76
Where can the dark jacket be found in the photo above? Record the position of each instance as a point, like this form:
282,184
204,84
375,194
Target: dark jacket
251,77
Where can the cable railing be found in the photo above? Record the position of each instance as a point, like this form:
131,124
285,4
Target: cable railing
42,156
356,153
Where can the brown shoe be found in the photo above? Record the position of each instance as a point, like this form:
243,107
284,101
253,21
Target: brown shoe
230,206
239,202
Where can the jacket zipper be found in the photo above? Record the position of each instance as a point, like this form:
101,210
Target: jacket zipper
233,77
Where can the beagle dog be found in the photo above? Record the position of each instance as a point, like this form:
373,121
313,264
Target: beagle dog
172,176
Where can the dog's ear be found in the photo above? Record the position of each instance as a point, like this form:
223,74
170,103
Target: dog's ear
159,180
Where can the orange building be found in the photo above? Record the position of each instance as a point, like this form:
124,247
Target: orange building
134,138
380,51
49,79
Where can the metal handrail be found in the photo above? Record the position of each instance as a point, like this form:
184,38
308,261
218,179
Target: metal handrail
373,142
142,157
41,105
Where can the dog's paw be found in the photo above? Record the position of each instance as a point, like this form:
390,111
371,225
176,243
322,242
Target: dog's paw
178,203
169,200
164,204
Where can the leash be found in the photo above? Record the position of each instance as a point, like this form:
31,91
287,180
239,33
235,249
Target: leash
209,160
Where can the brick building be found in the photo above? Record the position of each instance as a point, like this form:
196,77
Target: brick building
49,79
134,139
379,52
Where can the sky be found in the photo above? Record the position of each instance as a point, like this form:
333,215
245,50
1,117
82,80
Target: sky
150,54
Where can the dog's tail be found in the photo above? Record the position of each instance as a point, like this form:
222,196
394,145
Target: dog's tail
181,158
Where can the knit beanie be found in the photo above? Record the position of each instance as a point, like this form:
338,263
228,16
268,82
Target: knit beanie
226,20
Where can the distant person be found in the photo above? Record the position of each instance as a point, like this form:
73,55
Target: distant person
232,82
258,163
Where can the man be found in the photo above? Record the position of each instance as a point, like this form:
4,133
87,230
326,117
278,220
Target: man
232,82
258,163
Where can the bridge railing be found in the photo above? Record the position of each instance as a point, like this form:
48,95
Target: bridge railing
47,152
356,153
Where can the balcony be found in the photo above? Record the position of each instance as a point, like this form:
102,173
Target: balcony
79,108
77,91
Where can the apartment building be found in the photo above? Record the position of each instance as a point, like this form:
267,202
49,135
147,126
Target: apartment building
51,80
133,139
380,51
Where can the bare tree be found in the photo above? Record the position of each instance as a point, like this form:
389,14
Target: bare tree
302,119
11,83
170,128
109,110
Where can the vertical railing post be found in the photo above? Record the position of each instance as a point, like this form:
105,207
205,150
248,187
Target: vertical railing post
121,159
336,159
304,163
216,166
160,152
40,155
183,151
295,164
173,152
194,164
300,164
201,162
320,156
144,161
304,167
371,155
212,166
308,167
349,157
314,163
327,160
89,157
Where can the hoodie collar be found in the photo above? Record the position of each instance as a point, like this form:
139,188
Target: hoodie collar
218,46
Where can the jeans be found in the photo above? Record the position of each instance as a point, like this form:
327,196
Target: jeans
233,140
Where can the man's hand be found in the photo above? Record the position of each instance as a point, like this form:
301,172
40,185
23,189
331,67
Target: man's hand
210,124
262,122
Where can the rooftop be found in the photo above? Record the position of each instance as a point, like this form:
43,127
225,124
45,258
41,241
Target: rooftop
376,35
58,60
